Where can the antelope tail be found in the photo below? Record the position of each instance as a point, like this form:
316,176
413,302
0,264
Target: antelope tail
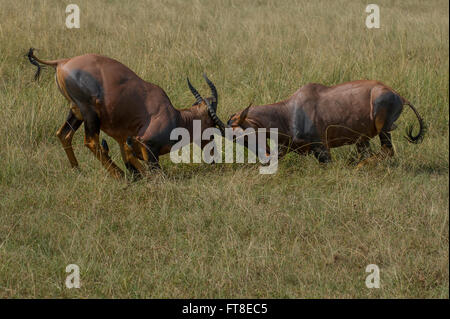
37,62
422,127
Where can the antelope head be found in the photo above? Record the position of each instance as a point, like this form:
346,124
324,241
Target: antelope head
206,108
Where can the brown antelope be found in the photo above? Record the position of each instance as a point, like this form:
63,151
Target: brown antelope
317,118
106,95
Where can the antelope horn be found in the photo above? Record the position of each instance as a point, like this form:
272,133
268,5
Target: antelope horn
212,108
197,96
213,90
215,118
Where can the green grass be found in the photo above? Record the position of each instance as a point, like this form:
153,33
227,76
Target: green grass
197,231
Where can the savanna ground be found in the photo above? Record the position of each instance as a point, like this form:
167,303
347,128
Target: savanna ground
225,230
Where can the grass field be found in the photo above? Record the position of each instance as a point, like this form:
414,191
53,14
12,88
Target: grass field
201,231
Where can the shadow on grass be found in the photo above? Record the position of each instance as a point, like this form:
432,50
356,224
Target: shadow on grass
430,168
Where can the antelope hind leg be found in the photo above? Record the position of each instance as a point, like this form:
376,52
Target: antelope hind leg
65,135
363,151
386,151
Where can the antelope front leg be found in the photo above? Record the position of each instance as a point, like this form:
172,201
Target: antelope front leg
147,153
131,161
92,142
65,135
127,159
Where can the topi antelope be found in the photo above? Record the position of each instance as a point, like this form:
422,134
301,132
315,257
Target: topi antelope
317,118
106,95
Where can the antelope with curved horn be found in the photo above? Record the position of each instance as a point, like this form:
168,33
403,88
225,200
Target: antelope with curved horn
106,95
317,118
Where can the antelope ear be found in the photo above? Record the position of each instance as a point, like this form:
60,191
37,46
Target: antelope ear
243,115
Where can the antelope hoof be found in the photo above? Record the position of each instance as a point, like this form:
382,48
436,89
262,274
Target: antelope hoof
105,146
368,161
130,141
